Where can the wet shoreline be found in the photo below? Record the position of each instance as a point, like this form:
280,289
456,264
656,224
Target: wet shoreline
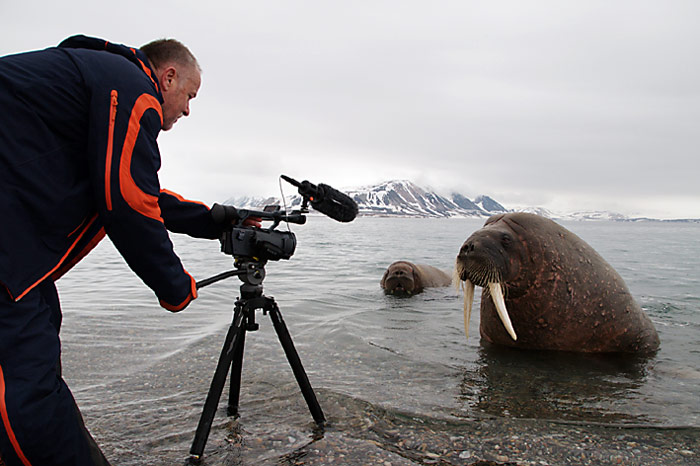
391,438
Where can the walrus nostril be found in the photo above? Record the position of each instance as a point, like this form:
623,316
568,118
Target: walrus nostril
466,249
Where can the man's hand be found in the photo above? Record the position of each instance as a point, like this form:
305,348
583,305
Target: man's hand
253,222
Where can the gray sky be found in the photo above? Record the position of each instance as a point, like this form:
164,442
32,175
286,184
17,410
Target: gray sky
569,105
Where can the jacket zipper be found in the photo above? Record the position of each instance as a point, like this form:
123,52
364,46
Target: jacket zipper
110,141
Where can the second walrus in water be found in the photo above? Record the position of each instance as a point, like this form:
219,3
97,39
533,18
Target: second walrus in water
405,278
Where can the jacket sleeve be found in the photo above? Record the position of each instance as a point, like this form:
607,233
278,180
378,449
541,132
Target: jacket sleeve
124,171
182,215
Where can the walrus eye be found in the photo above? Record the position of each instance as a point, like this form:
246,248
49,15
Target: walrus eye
506,240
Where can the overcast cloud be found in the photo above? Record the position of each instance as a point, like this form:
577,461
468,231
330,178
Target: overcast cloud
561,104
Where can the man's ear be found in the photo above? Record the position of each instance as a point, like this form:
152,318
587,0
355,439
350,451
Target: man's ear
168,78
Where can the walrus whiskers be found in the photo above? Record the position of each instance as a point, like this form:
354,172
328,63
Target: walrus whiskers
483,273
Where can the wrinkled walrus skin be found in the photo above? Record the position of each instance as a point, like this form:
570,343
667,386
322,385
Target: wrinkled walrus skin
559,293
403,278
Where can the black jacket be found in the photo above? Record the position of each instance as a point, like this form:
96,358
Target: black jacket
78,160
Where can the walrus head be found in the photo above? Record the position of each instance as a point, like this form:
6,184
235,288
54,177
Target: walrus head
484,260
400,279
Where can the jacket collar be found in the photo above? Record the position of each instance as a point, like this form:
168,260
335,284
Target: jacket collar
134,55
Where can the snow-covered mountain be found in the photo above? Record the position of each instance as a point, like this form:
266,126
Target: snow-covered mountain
396,198
405,199
591,215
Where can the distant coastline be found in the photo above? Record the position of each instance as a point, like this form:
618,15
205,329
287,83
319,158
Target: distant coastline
403,198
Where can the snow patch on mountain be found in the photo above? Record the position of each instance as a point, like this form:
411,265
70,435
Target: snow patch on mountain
403,198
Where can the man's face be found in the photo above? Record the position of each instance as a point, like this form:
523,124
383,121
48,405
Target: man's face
179,84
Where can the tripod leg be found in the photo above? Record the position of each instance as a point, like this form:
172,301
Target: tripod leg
217,386
295,362
235,385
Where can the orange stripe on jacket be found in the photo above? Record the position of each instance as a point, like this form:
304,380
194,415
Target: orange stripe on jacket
186,301
88,247
143,203
60,262
182,199
110,143
78,228
145,69
6,423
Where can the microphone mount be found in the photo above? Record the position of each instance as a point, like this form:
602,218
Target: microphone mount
325,199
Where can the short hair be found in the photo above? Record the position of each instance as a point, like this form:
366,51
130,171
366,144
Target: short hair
162,52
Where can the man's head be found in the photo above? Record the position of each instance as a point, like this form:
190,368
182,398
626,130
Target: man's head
179,76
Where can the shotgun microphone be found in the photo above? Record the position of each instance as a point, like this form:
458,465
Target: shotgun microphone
327,200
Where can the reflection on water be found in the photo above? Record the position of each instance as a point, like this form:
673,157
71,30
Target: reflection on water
397,373
555,385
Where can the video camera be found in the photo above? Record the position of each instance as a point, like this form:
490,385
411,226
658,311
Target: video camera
252,242
268,244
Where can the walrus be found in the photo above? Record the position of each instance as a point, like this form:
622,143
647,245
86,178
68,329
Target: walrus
403,278
545,288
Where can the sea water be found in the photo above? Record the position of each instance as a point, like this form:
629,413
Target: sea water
140,374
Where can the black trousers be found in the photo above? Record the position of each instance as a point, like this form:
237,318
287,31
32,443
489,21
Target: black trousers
40,422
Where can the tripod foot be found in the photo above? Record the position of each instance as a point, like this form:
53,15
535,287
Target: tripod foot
193,460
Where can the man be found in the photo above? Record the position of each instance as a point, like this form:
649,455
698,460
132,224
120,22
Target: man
79,160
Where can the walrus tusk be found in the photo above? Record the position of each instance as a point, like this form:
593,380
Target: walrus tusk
468,288
499,302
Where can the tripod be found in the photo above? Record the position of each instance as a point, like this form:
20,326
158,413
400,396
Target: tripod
251,273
